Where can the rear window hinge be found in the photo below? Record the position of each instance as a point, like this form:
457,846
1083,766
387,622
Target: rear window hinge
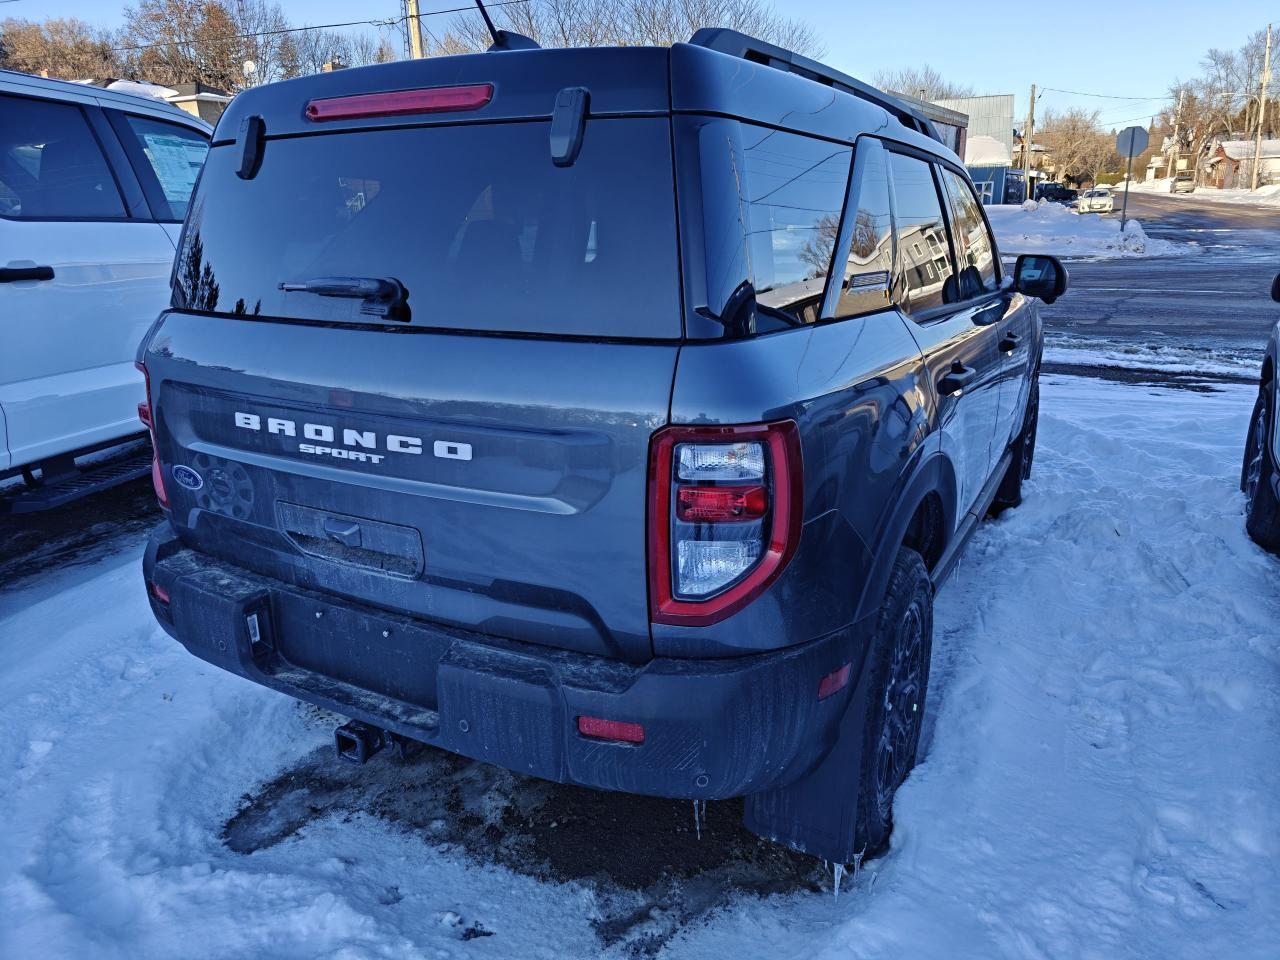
568,123
249,144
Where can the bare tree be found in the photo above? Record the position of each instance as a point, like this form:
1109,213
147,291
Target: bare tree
1075,144
924,83
262,25
183,41
625,23
67,49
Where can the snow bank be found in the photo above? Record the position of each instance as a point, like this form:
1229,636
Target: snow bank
1268,196
1101,781
1046,227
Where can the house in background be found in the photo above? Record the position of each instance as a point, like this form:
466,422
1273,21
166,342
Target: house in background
1230,164
197,99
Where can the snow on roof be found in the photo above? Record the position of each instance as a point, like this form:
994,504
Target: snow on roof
1243,149
983,151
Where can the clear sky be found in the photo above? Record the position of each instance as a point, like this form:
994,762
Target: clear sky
1124,49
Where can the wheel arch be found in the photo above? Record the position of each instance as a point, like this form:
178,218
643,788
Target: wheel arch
930,489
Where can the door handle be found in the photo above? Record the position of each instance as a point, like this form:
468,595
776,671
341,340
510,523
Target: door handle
1010,342
10,274
957,378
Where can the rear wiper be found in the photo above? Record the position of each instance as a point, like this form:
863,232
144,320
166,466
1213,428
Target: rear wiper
383,296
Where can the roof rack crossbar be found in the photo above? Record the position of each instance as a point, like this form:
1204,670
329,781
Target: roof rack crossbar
740,45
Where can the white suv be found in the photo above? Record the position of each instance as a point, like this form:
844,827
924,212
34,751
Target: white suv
94,185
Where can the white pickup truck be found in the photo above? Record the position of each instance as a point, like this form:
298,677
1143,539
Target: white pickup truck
94,185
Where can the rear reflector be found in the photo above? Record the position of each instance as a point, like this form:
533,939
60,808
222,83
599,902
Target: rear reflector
611,730
398,103
833,682
160,593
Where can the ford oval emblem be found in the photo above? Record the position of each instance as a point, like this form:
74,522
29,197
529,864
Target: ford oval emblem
187,477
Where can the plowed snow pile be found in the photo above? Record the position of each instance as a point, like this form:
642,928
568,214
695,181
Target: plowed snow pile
1046,227
1102,778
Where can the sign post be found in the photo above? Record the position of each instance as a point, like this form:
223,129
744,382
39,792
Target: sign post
1131,142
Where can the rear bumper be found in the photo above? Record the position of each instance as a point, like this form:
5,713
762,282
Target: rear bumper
713,728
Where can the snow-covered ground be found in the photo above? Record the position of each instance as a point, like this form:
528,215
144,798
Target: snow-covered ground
1268,196
1046,227
1102,778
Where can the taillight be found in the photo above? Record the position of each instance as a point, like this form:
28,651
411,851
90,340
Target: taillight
148,420
725,514
397,103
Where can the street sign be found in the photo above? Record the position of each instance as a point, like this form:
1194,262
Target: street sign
1132,141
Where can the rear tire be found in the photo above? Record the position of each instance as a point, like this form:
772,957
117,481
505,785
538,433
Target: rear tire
1024,451
897,683
1262,511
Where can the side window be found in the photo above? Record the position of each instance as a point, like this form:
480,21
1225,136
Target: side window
869,268
51,164
922,235
975,252
174,155
794,189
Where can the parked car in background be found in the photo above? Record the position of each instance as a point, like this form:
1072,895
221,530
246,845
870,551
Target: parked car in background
1259,475
646,490
94,185
1183,182
1097,200
1055,193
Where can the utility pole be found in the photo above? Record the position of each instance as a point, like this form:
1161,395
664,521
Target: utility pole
1027,135
1262,109
1172,165
414,25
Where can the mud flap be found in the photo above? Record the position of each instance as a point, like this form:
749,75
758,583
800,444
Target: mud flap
818,814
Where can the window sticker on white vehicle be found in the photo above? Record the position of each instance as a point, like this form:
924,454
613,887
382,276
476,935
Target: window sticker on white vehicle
176,161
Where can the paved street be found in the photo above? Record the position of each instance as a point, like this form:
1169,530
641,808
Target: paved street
1219,301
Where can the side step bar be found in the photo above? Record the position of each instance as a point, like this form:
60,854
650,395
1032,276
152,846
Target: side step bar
64,482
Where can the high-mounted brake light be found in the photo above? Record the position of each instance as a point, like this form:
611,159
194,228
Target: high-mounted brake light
148,420
725,510
397,103
611,730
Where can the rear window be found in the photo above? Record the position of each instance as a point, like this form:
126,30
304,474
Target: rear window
475,221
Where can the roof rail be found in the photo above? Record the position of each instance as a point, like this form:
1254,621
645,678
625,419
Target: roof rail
740,45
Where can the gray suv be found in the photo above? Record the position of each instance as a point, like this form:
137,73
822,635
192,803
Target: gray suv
610,415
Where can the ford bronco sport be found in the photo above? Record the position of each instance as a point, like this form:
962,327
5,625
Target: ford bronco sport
610,415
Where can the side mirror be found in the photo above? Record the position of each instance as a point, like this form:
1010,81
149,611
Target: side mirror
1275,288
1043,277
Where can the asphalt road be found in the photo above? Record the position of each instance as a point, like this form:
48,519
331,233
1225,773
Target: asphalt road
1218,300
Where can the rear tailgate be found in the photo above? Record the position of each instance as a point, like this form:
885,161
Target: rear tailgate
495,483
476,453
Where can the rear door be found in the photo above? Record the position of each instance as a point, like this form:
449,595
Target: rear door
1012,328
952,325
85,274
480,456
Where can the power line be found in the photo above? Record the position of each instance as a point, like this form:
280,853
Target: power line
1103,96
387,22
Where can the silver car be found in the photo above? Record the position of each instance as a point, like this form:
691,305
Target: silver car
1184,182
1097,200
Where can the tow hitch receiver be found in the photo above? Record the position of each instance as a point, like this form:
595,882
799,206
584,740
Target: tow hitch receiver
356,742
